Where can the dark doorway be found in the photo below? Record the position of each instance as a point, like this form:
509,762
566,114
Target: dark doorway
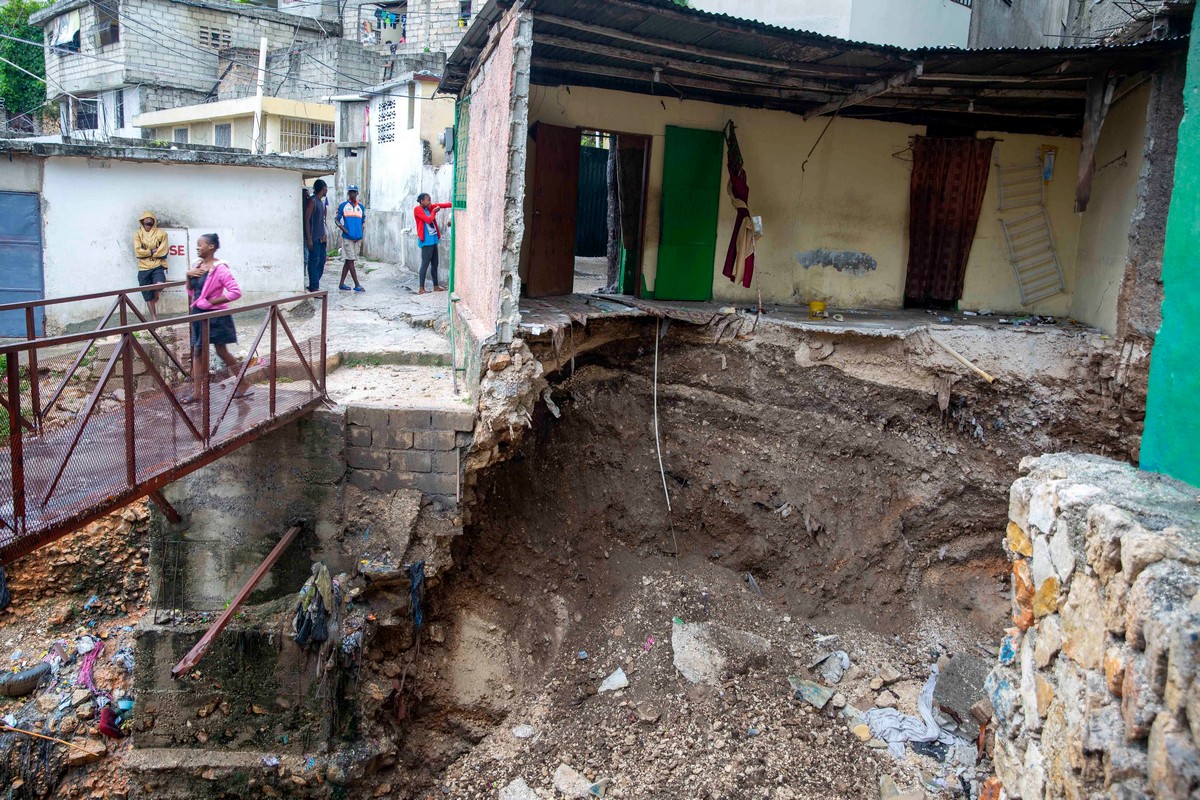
949,178
586,234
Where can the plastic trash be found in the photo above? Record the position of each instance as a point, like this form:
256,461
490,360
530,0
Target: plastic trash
617,680
582,655
832,666
523,731
92,601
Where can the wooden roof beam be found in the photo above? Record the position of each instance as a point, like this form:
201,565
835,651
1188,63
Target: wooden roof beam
958,76
645,76
867,92
796,68
982,94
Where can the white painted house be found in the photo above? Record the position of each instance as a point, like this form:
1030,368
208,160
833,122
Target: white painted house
903,23
391,144
78,205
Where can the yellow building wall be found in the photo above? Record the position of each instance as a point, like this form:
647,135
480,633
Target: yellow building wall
990,281
852,196
434,115
1104,234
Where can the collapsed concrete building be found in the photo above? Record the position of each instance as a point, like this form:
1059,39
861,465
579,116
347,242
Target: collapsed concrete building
626,556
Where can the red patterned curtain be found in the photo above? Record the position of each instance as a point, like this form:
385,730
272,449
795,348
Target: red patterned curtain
949,178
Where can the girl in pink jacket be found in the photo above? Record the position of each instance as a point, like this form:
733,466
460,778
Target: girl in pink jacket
211,286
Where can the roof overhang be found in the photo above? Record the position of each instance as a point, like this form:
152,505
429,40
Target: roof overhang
660,48
234,109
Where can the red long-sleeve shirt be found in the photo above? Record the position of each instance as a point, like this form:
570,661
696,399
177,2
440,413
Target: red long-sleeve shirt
424,218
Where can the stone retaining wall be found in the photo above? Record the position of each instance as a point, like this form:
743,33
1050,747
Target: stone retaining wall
1096,692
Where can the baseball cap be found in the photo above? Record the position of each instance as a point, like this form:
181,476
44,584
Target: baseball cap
352,188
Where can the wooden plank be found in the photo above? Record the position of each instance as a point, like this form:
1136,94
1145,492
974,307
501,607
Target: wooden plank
196,653
867,92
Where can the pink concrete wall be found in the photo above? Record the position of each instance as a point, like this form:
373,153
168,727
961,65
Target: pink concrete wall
480,236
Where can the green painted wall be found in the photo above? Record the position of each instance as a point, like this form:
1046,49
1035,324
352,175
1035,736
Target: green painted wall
1171,441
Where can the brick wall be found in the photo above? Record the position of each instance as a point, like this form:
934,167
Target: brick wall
389,449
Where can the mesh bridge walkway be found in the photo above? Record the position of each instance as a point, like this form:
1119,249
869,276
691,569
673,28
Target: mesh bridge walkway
103,415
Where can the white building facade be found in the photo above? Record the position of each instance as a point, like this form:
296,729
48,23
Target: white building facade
902,23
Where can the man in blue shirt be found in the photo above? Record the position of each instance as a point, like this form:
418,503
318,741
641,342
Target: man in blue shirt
351,217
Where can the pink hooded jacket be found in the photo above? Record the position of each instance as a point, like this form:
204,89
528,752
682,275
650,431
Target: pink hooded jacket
220,280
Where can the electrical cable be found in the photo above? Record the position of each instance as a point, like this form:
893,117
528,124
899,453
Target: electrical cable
661,331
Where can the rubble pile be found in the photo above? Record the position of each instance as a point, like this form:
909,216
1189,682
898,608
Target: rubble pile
1097,691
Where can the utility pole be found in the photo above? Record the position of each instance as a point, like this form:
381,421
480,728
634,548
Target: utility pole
256,140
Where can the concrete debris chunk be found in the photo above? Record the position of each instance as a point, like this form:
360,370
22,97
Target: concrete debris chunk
704,652
617,680
817,695
832,666
518,790
570,783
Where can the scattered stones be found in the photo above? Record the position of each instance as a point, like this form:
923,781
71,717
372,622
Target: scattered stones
85,752
886,700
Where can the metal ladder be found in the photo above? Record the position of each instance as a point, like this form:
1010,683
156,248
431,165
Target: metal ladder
1028,235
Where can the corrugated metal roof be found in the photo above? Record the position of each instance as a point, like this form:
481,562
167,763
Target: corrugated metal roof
698,55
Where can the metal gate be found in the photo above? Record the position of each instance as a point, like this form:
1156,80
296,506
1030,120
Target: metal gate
20,260
591,233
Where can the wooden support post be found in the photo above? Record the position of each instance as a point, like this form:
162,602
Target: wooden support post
196,653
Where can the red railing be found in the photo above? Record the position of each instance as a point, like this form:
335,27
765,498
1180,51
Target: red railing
78,448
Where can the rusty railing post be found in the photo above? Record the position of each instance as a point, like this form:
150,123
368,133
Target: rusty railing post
324,329
15,440
204,381
271,366
127,380
35,393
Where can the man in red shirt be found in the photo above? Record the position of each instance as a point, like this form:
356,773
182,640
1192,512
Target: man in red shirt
428,236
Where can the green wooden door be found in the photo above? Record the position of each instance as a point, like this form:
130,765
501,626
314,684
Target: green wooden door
687,244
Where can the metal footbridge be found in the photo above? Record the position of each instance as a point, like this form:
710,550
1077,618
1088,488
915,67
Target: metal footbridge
92,421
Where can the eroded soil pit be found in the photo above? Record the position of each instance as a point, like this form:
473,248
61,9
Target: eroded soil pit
815,508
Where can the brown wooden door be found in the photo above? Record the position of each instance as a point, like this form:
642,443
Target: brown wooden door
555,195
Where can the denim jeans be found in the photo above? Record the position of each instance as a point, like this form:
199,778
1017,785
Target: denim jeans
316,266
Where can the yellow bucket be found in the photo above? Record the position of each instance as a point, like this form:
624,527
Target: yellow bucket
816,310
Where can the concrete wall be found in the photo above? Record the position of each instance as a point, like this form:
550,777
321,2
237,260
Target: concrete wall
1105,233
904,23
87,251
830,17
1097,693
490,229
1030,23
915,23
853,196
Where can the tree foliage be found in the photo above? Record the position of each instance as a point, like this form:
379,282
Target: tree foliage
21,92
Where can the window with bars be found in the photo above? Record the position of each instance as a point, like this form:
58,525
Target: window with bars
181,135
301,134
385,126
462,131
967,3
215,38
223,135
87,115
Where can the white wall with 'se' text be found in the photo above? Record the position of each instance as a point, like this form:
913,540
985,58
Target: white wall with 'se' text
90,211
